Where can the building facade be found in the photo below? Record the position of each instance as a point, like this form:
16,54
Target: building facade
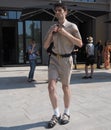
15,33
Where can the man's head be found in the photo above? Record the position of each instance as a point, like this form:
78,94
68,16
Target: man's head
90,39
99,42
32,40
60,10
61,5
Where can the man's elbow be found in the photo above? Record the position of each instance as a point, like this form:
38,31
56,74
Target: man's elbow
80,43
45,46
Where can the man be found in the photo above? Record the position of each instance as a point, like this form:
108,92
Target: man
64,36
99,47
32,52
74,54
89,58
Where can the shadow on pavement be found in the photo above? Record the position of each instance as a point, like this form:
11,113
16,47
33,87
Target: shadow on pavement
26,126
98,77
15,83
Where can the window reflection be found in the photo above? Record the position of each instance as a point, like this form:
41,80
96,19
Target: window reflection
10,14
20,42
33,31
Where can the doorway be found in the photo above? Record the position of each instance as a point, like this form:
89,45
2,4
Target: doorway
9,45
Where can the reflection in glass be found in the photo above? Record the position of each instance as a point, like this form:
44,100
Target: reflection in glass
33,31
20,42
10,14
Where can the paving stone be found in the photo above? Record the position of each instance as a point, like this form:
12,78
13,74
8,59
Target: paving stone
26,106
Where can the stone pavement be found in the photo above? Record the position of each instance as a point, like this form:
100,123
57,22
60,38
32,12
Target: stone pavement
26,106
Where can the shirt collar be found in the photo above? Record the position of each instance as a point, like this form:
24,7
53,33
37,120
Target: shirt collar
65,23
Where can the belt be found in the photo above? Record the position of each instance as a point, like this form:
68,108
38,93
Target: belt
61,55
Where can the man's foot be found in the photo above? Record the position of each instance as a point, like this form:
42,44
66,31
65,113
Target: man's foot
65,119
31,80
85,77
90,77
54,120
99,68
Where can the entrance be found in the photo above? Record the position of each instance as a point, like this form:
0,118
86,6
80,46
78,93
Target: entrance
9,45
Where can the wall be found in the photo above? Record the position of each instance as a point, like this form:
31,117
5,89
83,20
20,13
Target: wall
109,28
101,29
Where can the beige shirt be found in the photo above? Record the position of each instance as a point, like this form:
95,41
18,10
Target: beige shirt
62,45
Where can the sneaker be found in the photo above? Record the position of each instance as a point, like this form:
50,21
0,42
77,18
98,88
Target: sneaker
33,80
29,80
65,119
54,120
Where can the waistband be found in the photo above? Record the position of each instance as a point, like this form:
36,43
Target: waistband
61,55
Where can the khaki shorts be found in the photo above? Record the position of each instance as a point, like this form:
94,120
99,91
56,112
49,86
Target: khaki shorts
60,68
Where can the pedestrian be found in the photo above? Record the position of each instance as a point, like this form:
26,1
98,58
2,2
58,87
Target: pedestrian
32,53
64,36
89,58
106,53
74,54
99,48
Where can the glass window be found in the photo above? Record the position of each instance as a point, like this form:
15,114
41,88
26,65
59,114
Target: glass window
10,14
33,31
20,42
84,0
18,14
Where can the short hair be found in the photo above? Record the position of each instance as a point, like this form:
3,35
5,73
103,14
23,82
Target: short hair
62,5
90,39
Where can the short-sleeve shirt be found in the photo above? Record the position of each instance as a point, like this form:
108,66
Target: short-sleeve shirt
62,45
90,49
32,56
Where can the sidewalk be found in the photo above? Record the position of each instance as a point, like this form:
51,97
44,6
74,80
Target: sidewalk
26,106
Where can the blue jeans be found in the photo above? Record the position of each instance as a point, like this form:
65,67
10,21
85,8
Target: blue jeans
32,68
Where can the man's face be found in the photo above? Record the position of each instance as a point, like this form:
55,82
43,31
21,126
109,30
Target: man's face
60,13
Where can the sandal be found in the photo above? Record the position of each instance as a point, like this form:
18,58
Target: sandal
54,120
65,119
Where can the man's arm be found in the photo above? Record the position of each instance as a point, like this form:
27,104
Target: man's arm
73,39
48,40
49,37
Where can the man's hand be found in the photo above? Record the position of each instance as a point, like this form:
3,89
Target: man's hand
54,29
61,30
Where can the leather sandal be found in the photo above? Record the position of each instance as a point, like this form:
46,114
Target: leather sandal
54,120
65,119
